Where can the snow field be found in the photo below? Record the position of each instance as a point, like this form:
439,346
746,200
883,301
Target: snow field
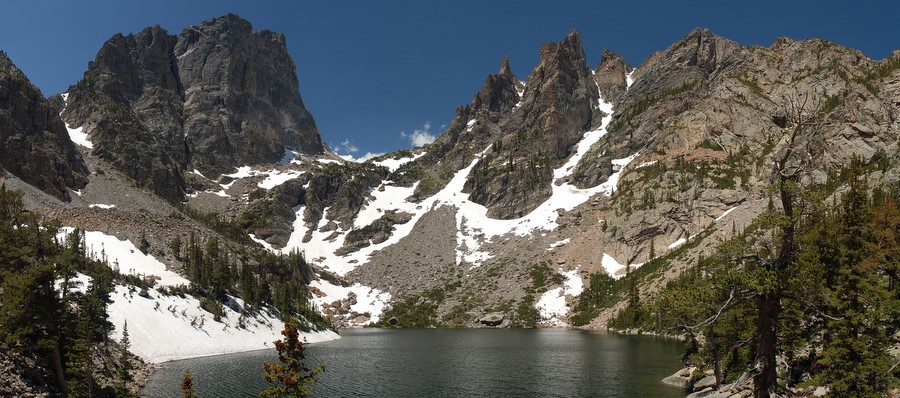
126,256
165,328
393,164
176,327
552,304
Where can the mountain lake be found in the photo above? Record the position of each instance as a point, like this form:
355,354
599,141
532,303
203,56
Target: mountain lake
451,363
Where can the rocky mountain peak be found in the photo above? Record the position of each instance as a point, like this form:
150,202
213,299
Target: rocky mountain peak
34,144
569,52
557,106
504,68
229,22
560,95
219,64
498,94
610,76
218,96
703,49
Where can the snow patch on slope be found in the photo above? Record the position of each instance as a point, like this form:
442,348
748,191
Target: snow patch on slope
474,227
560,243
273,177
76,134
165,328
552,304
126,256
726,213
393,164
521,91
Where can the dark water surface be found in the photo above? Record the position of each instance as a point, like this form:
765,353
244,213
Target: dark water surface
452,363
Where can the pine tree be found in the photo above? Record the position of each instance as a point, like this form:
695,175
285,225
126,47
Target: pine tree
144,244
124,355
187,385
291,378
79,364
31,308
854,355
175,245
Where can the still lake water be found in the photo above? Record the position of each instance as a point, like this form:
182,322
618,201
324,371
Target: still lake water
452,363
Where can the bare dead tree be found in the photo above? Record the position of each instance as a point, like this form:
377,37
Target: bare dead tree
803,111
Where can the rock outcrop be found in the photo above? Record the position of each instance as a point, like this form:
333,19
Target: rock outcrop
611,76
241,96
34,143
217,96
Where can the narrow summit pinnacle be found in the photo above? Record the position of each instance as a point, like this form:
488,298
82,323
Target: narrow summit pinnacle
504,69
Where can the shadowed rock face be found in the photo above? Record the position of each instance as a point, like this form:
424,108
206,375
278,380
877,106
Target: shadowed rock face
217,96
558,104
241,100
610,76
34,144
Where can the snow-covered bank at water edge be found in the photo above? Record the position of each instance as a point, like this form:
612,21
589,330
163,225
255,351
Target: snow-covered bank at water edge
164,328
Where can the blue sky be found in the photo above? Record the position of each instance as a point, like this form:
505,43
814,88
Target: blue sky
377,74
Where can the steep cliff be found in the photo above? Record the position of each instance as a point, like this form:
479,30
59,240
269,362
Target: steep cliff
217,96
34,144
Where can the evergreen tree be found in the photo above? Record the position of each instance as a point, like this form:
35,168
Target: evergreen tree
291,378
79,364
124,355
854,354
187,385
175,245
144,245
31,309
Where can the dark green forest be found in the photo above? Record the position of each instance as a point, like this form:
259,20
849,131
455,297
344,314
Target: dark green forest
64,328
805,295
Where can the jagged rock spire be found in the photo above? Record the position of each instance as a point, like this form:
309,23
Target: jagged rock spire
504,69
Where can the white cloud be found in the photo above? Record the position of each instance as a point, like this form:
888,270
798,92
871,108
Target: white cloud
420,137
349,147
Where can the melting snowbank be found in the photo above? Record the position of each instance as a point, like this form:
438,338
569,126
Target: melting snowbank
126,256
163,328
394,164
552,304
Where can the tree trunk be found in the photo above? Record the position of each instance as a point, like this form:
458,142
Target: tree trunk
55,354
56,362
764,381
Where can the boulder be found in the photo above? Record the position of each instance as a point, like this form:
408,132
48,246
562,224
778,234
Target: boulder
492,319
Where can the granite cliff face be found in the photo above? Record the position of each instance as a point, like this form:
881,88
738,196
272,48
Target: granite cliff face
241,96
34,144
217,96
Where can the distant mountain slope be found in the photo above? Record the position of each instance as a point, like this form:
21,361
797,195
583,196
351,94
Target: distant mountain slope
537,189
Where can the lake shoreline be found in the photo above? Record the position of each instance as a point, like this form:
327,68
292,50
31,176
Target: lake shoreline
350,360
150,368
